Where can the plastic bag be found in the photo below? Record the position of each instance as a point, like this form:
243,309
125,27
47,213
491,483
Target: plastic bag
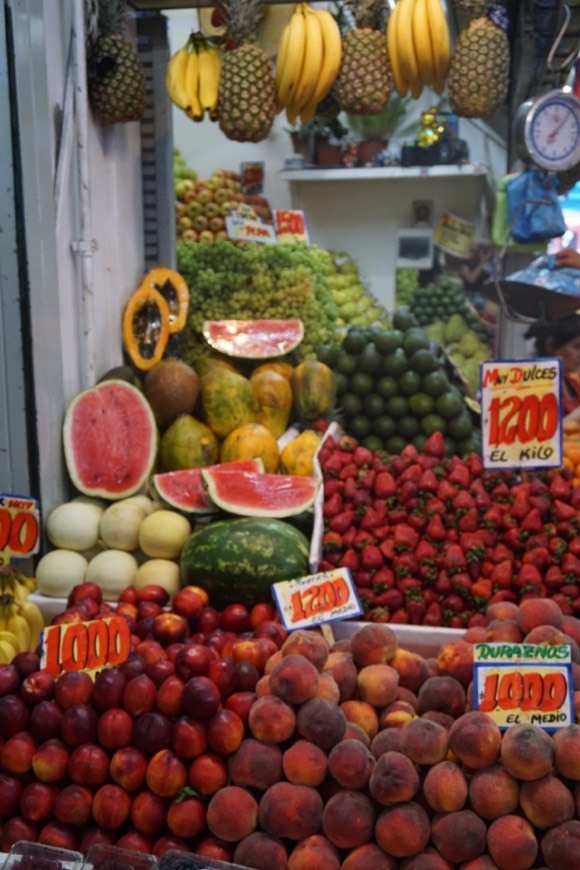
542,272
534,211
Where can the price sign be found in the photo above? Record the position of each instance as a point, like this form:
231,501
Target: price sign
85,646
19,527
252,178
454,235
291,223
520,413
248,230
517,683
316,599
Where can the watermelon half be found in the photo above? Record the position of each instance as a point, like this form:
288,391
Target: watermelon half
256,494
254,339
110,440
184,491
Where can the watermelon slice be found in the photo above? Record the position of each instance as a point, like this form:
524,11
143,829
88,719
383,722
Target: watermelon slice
184,491
256,494
110,440
253,339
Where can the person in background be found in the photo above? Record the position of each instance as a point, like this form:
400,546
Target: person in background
562,338
567,258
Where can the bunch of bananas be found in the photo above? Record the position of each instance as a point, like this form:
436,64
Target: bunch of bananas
307,62
192,78
21,621
419,46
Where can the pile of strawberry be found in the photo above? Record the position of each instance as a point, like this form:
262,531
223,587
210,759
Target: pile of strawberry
433,541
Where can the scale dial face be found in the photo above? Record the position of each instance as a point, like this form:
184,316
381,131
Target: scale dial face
552,131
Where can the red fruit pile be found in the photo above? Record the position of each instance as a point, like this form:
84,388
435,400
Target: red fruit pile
433,541
363,756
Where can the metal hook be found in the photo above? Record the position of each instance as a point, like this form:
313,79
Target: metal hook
558,40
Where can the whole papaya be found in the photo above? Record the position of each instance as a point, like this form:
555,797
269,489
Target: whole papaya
297,457
314,389
273,395
227,401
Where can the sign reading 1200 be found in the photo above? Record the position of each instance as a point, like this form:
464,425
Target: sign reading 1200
520,412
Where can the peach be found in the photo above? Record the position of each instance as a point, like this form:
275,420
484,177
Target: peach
493,792
72,805
351,764
128,768
512,843
429,859
407,695
455,659
442,693
148,813
262,687
475,634
166,774
445,787
458,836
262,851
18,828
225,732
566,743
232,813
403,830
549,635
348,819
290,811
502,610
313,853
561,846
272,662
504,631
546,802
397,715
36,801
368,857
255,764
394,779
17,753
208,773
343,669
424,742
475,739
373,643
61,836
438,716
362,713
377,684
186,817
411,668
111,806
294,679
484,862
571,626
327,687
304,763
527,752
321,722
387,740
309,644
539,611
272,719
355,732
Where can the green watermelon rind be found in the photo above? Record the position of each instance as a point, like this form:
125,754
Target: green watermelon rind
103,449
237,560
223,487
162,482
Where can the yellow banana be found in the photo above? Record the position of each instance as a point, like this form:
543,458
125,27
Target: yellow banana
331,55
401,84
209,77
175,77
10,639
7,652
194,109
407,57
422,42
33,616
19,628
440,42
5,601
294,58
312,60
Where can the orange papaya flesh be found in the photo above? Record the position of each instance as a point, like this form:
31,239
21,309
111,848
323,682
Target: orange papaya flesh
146,327
174,289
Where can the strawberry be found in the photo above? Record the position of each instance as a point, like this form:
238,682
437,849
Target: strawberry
502,575
416,608
331,541
380,508
348,470
367,599
482,591
363,539
378,614
400,616
361,500
433,615
501,552
477,619
434,505
347,443
500,492
333,505
385,577
446,491
363,578
387,548
341,522
371,558
332,485
367,478
428,482
460,476
362,456
539,540
385,485
469,522
334,558
553,578
542,504
351,560
511,538
425,552
456,620
405,537
529,577
538,556
564,511
493,516
462,584
392,599
532,522
444,583
408,584
452,602
563,604
454,559
349,536
381,532
407,491
369,520
435,530
332,466
574,545
435,445
570,591
560,488
570,566
474,463
405,564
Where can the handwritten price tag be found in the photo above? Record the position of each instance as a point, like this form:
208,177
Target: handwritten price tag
517,683
316,599
521,420
85,646
247,230
291,222
19,527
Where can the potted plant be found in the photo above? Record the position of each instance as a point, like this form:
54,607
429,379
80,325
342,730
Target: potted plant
373,132
319,141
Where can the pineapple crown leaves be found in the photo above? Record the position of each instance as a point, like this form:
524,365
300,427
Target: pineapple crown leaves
368,13
242,19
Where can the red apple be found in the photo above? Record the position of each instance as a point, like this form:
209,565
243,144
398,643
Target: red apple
189,737
17,828
223,673
208,620
193,661
160,671
201,698
133,666
139,695
108,689
79,725
153,592
37,801
236,618
73,805
73,687
17,753
148,813
85,590
248,676
9,680
148,609
151,650
50,761
169,695
241,703
45,721
88,765
89,609
152,732
36,687
11,790
275,631
14,715
93,835
129,595
187,603
115,728
172,650
26,663
128,768
261,612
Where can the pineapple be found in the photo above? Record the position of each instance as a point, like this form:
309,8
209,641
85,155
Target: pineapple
477,83
116,81
364,82
246,90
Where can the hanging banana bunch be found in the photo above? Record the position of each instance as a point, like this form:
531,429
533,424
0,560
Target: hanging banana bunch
192,78
21,621
419,46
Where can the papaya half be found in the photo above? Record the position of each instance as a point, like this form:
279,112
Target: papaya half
174,289
146,327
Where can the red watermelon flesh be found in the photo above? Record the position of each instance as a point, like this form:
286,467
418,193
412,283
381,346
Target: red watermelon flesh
184,490
254,339
257,494
110,440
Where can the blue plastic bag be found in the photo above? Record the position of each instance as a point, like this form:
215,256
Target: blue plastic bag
534,210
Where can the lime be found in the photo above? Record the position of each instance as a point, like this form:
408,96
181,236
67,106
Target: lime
395,444
359,426
469,445
408,426
387,387
435,383
383,427
347,364
460,427
415,339
403,318
450,447
409,383
396,363
374,405
421,404
371,442
397,406
351,405
388,341
328,355
432,423
419,441
341,383
423,361
354,341
361,384
370,359
449,404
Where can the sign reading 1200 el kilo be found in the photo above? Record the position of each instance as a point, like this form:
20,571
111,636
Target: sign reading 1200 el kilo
316,599
520,413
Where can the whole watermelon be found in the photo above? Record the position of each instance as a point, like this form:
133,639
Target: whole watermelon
237,560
